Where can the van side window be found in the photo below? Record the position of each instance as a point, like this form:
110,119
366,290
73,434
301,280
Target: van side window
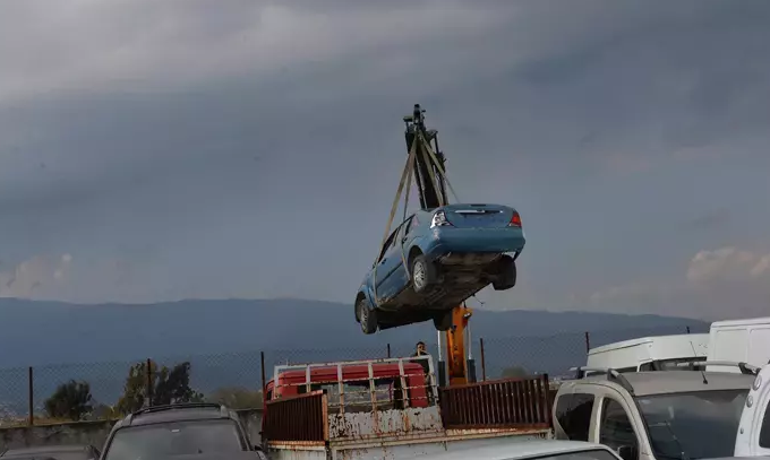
573,412
615,429
764,433
626,369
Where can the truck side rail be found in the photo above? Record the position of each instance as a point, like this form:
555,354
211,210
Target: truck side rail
300,418
508,403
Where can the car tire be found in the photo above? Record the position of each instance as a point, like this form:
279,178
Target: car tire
423,274
505,274
443,321
367,317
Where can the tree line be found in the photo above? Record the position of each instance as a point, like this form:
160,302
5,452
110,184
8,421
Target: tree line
158,385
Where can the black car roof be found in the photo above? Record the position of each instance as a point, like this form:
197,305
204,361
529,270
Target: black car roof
37,450
178,413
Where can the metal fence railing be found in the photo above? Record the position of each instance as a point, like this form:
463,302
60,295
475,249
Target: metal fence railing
298,418
507,403
89,391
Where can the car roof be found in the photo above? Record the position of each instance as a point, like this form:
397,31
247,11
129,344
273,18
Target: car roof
662,382
47,449
178,413
520,450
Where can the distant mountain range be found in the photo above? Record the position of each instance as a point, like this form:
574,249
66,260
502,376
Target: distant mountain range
222,340
36,332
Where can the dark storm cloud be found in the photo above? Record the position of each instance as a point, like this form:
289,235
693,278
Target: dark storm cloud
150,118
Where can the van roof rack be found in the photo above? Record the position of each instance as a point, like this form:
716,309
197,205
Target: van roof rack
745,368
612,375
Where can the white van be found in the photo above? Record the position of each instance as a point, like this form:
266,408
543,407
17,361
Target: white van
742,340
649,353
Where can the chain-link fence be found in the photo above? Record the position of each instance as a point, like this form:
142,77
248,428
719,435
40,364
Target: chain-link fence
54,393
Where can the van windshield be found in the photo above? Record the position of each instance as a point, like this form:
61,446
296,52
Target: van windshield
695,425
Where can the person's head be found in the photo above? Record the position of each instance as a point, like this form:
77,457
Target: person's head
421,347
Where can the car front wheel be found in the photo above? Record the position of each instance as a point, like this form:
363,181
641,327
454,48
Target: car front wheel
423,274
443,321
367,317
505,276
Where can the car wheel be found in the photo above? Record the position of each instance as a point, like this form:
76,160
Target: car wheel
505,276
367,317
423,274
443,321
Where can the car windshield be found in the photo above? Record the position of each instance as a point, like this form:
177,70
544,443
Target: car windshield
694,425
178,438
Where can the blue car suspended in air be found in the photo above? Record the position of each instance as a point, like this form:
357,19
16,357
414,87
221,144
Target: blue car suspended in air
435,260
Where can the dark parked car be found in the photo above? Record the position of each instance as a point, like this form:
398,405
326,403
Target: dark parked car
179,430
55,452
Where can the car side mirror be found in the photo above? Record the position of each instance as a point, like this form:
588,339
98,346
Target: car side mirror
628,452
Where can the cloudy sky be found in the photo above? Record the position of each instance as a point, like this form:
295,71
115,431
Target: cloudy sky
199,149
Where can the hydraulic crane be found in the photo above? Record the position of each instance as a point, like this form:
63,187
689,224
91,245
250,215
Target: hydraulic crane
425,164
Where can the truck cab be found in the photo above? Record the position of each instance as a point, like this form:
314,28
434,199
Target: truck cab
753,439
650,353
654,415
355,378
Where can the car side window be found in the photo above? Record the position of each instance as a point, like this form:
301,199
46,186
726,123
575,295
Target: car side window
764,432
615,428
409,222
388,243
573,412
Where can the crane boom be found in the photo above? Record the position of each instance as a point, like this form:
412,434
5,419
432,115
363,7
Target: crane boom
431,183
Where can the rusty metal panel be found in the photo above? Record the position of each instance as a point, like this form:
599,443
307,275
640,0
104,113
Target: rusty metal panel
509,403
297,450
297,418
386,423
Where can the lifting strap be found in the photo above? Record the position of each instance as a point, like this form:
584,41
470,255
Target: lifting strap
405,174
406,179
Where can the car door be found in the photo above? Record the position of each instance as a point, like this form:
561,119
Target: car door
390,259
397,277
617,427
400,277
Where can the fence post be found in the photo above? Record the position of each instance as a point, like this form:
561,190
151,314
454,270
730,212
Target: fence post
588,342
388,350
149,389
264,378
31,398
483,360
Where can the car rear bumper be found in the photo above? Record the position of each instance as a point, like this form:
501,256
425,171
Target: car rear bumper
475,240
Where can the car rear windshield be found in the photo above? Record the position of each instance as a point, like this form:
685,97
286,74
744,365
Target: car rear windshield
177,438
695,425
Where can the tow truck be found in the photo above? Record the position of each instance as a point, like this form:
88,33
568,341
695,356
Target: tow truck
391,408
396,407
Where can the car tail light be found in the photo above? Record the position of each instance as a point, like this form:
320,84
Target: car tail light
515,220
439,220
